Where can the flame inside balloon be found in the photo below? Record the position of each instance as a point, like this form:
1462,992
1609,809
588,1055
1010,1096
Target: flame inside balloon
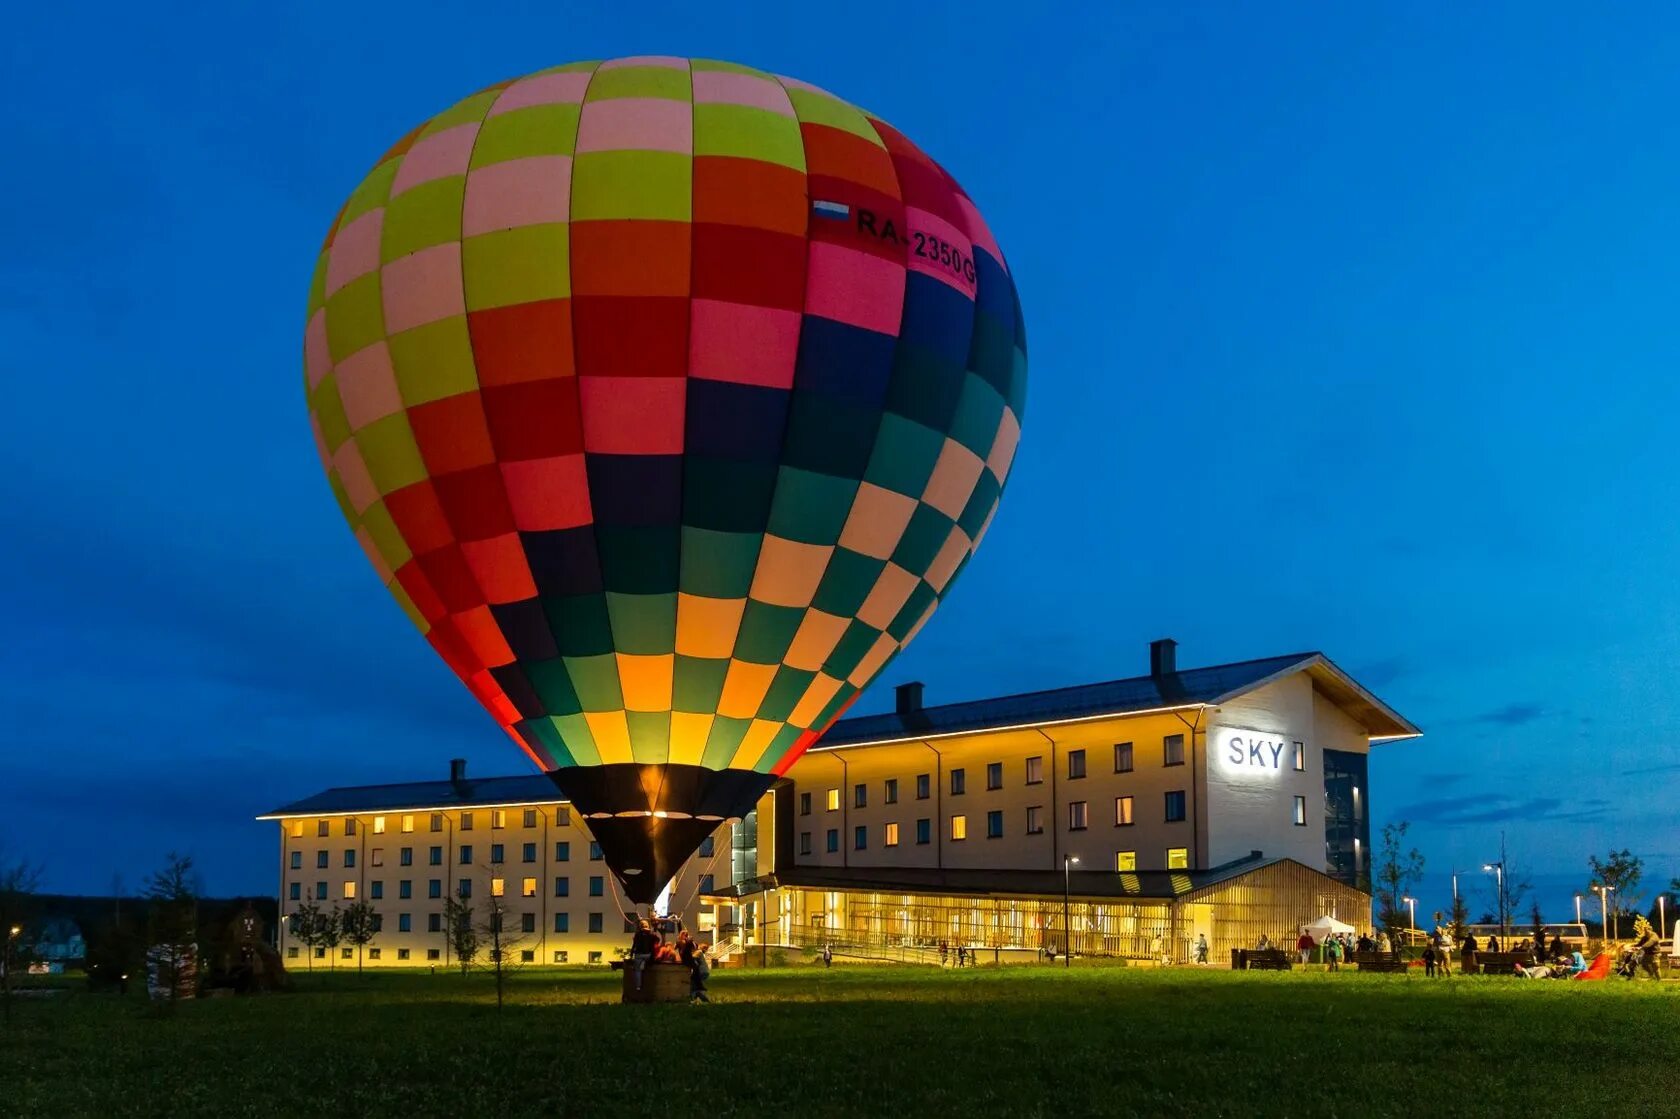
668,398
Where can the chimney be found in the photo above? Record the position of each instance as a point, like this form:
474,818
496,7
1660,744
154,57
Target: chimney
457,770
909,697
1163,657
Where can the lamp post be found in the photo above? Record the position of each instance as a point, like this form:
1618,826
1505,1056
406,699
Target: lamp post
1498,871
1662,916
1411,907
1603,893
1577,909
1067,909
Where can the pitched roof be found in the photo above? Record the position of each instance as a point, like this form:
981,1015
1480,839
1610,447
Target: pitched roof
1190,687
1162,884
469,793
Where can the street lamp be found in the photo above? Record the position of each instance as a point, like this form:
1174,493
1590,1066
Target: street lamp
1603,893
1662,916
1577,909
1067,908
1411,906
1498,871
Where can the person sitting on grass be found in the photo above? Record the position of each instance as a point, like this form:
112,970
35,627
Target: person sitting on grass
1539,971
699,970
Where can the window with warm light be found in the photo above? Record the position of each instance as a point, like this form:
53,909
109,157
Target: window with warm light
1035,819
408,822
497,887
379,825
959,827
1078,815
834,800
349,890
891,838
1122,812
297,829
1125,861
1178,858
498,818
1035,770
528,887
1300,757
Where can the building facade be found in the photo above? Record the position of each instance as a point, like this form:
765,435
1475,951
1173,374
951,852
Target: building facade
1125,818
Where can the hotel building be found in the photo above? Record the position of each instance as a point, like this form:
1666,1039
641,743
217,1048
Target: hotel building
1121,818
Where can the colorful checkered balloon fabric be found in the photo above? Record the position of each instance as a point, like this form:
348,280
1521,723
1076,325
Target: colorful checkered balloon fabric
668,398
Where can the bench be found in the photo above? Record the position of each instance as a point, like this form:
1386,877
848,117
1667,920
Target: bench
1379,961
1258,959
1495,963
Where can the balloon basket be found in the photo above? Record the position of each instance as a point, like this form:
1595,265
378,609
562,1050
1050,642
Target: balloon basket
660,982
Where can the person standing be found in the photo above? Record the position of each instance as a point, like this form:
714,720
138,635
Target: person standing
1201,948
699,970
828,955
642,946
1304,946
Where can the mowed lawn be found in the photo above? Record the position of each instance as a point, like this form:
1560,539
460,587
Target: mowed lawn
863,1041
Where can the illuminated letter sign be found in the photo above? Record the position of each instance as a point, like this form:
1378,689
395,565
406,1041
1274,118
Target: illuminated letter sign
1252,750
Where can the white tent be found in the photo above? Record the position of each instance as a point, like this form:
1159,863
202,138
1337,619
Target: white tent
1326,926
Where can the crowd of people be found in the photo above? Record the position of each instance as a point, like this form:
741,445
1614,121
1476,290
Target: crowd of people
648,946
1338,947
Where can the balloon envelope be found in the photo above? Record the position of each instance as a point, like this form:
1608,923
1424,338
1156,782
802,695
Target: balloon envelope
668,398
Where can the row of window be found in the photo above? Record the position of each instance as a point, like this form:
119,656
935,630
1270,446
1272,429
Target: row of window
434,888
529,817
1172,752
526,955
498,854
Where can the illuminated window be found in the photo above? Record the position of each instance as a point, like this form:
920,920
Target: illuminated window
890,787
466,821
349,889
321,828
1122,757
922,784
466,854
349,825
891,839
959,782
528,887
497,886
563,816
530,817
1172,750
1178,858
1035,819
924,832
562,887
377,856
1078,816
408,822
1122,812
959,827
379,825
1076,764
562,923
804,843
1125,860
1175,806
860,796
834,800
595,927
297,860
376,890
860,838
1300,757
562,852
349,857
297,829
1301,812
597,886
1035,770
833,840
804,804
994,824
498,817
528,853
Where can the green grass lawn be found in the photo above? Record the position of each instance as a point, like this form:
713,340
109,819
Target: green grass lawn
802,1041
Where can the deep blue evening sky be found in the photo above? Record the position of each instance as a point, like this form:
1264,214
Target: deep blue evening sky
1348,333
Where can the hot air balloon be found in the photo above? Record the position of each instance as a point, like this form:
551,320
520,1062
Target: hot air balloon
667,398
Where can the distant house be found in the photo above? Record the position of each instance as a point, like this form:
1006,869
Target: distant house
60,941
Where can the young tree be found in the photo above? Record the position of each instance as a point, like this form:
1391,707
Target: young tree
1398,871
172,926
1620,873
329,933
1539,921
459,928
1460,919
503,940
19,882
306,926
360,923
